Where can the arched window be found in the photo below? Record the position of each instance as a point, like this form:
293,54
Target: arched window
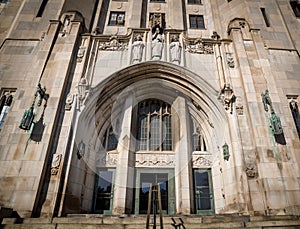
110,140
198,141
295,112
154,131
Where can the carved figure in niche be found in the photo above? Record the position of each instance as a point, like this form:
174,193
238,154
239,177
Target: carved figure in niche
137,49
157,42
175,49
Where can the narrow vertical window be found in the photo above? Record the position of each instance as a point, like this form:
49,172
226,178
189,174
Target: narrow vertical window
263,11
144,13
295,112
42,8
104,191
5,104
110,140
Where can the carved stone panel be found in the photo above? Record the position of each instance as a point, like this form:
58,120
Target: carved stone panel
200,47
113,44
154,160
199,161
55,164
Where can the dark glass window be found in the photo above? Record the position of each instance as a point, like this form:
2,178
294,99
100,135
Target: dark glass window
295,112
203,190
117,18
296,7
5,104
196,22
154,125
153,179
266,19
198,2
157,0
103,191
110,140
42,8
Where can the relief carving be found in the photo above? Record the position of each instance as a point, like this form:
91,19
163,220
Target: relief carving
230,60
200,161
69,102
55,164
113,45
200,47
154,160
111,159
251,170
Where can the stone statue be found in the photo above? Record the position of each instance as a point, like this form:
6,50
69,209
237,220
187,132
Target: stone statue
157,43
266,100
137,49
175,50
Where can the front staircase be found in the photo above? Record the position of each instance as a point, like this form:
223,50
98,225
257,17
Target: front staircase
88,221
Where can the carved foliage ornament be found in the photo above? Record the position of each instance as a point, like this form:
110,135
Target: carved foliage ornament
154,160
200,47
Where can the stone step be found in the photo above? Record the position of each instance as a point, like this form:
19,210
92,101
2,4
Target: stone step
88,221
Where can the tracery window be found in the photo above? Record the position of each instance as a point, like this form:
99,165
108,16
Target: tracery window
154,126
295,112
110,140
5,103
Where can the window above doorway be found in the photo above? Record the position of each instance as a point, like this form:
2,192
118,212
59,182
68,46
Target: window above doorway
117,18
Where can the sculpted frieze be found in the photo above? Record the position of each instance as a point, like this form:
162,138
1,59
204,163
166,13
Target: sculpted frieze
154,160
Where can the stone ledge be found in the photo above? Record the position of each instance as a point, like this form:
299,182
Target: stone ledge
273,223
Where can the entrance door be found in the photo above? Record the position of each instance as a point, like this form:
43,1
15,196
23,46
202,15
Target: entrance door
104,192
165,179
153,178
203,191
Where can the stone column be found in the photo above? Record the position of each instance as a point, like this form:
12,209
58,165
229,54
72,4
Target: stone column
58,67
183,176
122,201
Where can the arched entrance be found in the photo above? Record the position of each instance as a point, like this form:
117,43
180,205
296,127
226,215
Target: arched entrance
152,123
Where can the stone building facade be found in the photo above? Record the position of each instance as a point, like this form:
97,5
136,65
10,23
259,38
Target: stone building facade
101,99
